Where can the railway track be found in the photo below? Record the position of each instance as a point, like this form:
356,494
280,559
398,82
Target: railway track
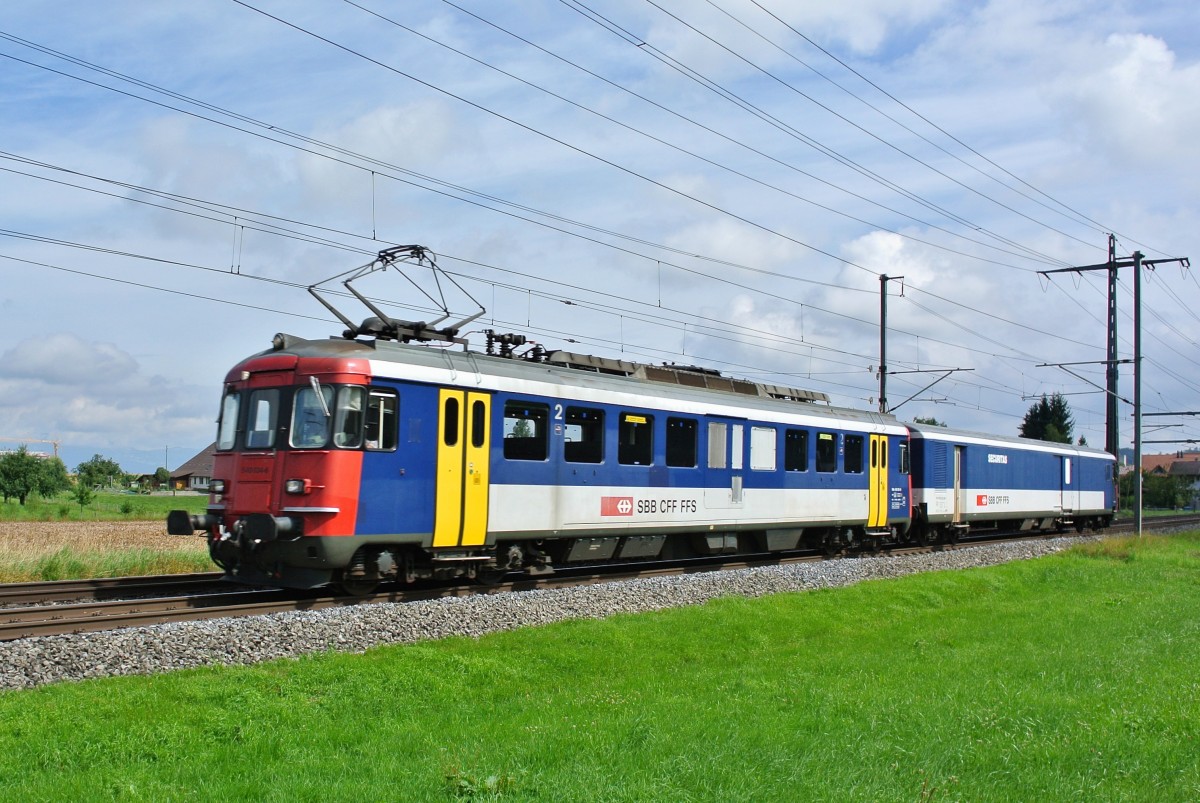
37,609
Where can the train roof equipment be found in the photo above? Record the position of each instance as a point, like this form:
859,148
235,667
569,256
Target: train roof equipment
384,327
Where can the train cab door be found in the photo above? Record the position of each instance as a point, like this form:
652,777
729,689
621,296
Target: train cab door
877,491
461,505
725,462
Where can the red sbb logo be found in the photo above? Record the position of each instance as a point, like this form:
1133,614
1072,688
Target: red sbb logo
616,506
981,500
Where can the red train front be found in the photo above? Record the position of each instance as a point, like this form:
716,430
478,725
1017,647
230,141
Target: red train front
292,436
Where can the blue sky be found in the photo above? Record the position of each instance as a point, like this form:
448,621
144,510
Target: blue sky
704,182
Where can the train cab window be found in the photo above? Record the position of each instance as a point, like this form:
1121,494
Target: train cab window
227,427
681,442
311,414
583,435
380,428
526,435
262,419
348,422
795,450
826,452
852,463
635,439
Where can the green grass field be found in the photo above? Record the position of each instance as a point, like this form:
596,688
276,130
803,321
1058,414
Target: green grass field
107,506
1073,677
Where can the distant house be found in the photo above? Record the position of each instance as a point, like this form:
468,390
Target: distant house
195,474
1158,463
1189,470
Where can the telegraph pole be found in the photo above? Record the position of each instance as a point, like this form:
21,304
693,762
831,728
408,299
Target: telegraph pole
883,372
1112,435
1137,262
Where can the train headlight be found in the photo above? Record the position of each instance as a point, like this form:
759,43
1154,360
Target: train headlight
216,486
298,486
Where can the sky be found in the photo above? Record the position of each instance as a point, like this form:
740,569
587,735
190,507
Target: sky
703,182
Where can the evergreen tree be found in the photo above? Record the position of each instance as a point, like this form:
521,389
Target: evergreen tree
1049,419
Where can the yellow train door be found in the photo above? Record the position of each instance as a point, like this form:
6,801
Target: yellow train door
464,433
877,501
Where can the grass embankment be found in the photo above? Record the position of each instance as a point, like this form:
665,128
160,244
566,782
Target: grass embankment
125,535
1072,677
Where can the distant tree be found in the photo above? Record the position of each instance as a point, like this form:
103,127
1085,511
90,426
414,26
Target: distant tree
1049,420
1158,490
99,471
930,420
522,429
1083,440
162,477
19,472
83,494
52,478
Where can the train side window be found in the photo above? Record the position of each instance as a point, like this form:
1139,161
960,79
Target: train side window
904,459
227,427
826,452
852,463
382,421
717,446
635,439
795,450
262,419
526,434
762,448
348,423
681,442
450,421
478,423
583,435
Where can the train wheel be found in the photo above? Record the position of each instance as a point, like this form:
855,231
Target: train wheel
356,586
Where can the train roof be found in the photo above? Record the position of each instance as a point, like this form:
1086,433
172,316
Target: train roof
603,375
933,432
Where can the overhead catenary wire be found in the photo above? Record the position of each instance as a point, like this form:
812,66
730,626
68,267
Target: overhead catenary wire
950,302
278,130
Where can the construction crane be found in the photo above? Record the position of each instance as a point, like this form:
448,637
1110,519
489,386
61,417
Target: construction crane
33,440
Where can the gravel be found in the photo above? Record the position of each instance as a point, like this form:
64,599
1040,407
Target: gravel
31,662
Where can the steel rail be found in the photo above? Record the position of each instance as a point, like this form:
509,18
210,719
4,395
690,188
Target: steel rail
102,587
43,620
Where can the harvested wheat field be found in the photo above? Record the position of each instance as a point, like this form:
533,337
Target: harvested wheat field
28,539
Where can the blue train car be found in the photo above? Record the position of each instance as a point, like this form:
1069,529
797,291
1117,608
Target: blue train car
353,461
963,481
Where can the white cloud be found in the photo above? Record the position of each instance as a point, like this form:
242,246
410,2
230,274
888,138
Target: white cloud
65,360
1136,105
1091,102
